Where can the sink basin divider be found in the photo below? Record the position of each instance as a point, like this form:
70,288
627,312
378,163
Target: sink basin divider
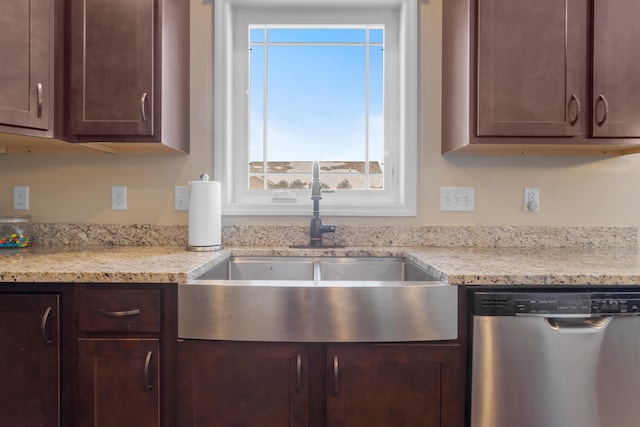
316,271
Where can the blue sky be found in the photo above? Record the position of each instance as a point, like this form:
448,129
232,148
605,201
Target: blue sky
316,97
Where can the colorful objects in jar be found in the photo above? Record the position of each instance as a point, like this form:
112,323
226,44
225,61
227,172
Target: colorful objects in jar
15,240
15,231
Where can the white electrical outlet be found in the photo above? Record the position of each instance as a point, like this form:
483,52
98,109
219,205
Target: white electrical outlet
21,197
457,199
181,198
531,199
119,198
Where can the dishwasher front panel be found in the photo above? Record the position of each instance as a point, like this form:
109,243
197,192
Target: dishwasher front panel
536,371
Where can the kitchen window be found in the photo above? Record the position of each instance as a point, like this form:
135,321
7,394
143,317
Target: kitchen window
330,81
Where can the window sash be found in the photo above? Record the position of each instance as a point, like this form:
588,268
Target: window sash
263,43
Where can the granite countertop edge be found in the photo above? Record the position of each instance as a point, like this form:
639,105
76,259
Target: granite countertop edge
451,265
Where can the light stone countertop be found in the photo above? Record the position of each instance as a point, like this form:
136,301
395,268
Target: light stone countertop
531,266
454,265
105,264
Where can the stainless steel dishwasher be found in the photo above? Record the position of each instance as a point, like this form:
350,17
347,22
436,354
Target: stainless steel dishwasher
555,359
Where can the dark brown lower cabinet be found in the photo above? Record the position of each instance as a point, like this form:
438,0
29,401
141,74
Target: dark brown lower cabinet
371,385
125,343
227,384
29,360
118,382
275,384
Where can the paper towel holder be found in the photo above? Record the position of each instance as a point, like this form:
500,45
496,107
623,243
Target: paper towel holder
204,247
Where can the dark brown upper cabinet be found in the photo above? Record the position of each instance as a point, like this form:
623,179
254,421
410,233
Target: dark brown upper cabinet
616,68
531,68
517,77
128,79
112,67
27,43
32,77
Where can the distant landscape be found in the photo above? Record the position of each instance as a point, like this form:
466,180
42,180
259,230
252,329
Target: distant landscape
333,175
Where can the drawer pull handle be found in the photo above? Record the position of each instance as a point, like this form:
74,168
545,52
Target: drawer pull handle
143,102
43,326
336,375
126,313
147,364
39,100
602,100
574,100
298,373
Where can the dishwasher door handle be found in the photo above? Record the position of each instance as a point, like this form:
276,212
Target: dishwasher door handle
577,325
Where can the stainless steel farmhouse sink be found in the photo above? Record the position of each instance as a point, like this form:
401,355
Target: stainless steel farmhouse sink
317,299
383,269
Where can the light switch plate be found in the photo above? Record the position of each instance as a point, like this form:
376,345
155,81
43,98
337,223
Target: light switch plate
457,199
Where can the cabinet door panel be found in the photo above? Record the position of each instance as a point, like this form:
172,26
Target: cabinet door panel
530,81
382,385
118,382
224,384
112,67
616,69
29,360
24,63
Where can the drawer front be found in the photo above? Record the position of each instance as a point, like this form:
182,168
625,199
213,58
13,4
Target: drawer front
119,310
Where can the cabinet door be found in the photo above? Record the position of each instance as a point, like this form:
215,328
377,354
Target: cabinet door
383,385
24,63
29,360
226,384
616,69
112,67
532,58
118,382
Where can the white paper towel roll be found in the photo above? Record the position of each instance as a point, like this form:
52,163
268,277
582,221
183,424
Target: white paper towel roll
205,224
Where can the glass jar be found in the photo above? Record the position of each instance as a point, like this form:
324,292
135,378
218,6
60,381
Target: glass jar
15,231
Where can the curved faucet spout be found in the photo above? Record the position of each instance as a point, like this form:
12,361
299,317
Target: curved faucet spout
315,181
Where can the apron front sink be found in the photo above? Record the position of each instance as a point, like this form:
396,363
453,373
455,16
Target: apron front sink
317,299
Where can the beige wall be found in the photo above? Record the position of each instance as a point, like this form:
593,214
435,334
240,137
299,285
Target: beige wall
574,190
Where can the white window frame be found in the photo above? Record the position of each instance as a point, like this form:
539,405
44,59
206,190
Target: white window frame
232,18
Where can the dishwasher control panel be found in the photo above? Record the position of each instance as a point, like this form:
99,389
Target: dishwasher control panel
578,304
